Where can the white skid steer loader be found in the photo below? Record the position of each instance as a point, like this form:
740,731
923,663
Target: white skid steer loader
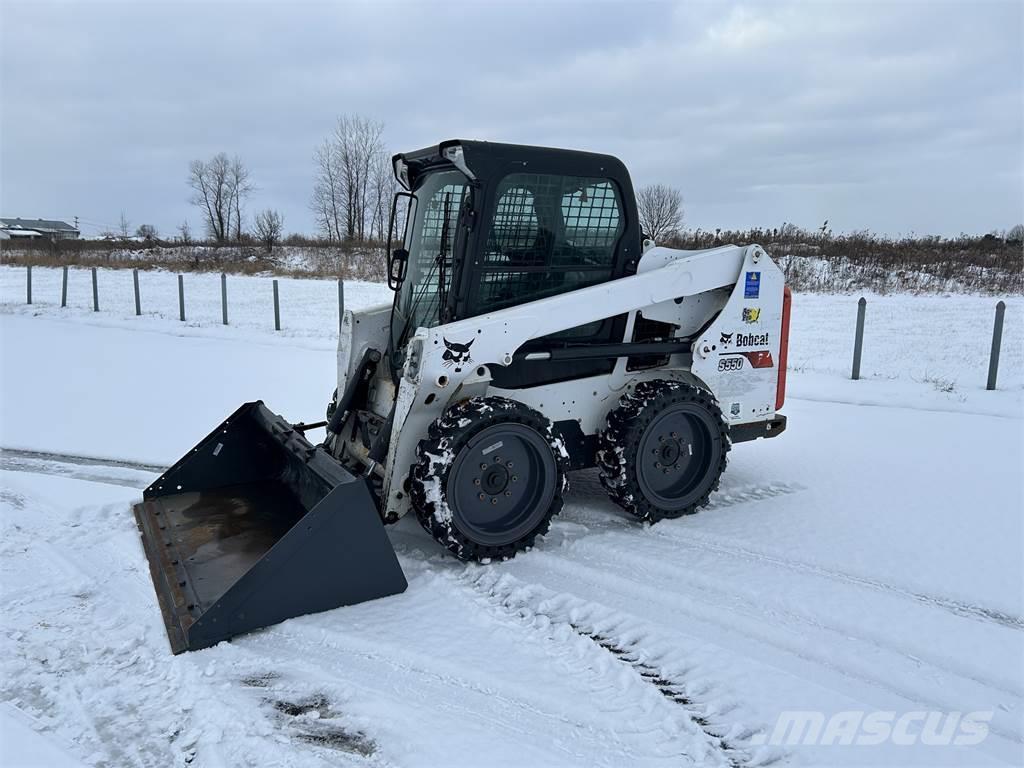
534,331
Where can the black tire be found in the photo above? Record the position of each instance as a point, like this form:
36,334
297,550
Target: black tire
477,503
664,450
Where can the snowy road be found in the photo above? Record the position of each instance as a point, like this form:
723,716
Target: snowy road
867,560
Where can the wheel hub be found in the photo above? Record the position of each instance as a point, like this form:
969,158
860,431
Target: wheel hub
495,479
670,451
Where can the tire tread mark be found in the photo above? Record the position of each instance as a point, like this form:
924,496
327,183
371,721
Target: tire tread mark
673,688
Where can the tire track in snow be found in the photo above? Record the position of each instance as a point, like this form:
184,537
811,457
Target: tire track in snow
337,659
689,537
621,638
698,540
783,616
108,472
752,624
730,497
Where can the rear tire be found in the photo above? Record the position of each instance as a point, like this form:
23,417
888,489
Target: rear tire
664,450
488,478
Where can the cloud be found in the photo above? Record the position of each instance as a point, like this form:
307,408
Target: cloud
895,117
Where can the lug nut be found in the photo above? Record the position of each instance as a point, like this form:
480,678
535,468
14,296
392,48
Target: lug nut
497,458
483,466
481,496
508,493
494,501
509,465
477,481
657,465
515,478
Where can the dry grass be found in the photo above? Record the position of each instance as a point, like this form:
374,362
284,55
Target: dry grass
813,262
860,261
296,258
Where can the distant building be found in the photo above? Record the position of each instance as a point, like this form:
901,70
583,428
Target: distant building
37,229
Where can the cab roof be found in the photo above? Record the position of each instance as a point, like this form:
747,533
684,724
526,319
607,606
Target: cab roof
485,159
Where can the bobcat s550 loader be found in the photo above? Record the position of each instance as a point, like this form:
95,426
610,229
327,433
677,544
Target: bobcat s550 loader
534,331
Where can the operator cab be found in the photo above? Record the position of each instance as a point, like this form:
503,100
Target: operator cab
490,226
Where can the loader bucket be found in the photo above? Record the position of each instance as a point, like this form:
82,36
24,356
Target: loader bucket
255,525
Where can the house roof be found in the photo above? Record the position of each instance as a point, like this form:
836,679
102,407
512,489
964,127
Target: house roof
23,233
39,224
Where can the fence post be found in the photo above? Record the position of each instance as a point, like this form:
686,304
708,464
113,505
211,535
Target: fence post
28,286
341,302
277,309
181,298
95,292
858,342
64,289
997,341
224,297
138,301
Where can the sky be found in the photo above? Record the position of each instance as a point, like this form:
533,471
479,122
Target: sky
895,117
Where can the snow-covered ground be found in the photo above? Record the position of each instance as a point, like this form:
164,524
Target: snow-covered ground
868,560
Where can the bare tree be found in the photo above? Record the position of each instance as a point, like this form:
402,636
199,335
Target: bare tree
383,191
660,209
268,226
219,187
241,187
327,203
346,192
146,232
124,226
185,232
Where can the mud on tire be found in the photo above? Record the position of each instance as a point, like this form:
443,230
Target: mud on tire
475,502
663,450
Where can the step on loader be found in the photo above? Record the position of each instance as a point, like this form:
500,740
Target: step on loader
534,331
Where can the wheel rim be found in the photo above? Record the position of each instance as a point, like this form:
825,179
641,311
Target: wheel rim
501,484
676,454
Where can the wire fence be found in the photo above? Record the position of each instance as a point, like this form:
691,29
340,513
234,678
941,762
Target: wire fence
274,312
188,294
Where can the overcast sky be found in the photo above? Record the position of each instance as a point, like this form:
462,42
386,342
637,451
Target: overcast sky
895,117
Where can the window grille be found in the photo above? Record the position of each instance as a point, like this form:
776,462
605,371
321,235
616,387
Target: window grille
549,235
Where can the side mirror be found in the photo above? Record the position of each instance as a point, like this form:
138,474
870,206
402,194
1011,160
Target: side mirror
398,265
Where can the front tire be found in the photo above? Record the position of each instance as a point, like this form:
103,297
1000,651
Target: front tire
664,450
488,478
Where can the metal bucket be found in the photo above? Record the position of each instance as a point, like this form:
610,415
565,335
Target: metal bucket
255,525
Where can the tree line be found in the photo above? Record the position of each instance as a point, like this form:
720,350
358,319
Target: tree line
353,185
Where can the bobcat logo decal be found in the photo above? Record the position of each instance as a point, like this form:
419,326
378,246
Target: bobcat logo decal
726,339
456,354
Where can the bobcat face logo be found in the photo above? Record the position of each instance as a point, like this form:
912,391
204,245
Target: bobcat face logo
456,354
726,339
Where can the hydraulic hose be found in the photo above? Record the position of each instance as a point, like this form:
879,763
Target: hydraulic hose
364,373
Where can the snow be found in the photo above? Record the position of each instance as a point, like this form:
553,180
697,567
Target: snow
22,745
867,559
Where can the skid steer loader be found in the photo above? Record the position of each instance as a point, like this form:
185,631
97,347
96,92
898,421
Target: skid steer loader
534,331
